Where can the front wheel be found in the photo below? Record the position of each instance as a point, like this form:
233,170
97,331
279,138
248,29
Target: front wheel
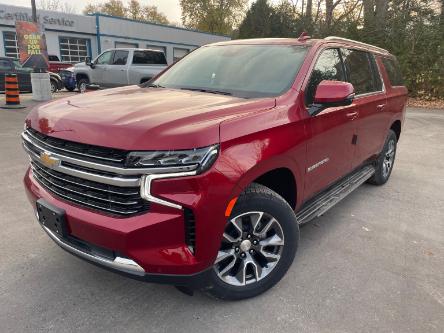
258,246
54,87
81,84
385,161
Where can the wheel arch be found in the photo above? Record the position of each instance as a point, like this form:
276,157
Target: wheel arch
396,127
279,175
80,76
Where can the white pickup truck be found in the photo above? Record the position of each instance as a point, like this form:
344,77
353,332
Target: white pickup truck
120,67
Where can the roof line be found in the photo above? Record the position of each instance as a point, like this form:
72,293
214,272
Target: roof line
157,24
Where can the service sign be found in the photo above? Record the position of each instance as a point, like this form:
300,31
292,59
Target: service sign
31,43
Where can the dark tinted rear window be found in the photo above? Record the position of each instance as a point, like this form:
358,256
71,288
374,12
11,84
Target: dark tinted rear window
53,58
393,72
149,58
360,71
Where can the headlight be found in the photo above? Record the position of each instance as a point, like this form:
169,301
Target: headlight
199,159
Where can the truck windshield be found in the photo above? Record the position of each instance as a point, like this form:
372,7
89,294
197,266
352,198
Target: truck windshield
247,71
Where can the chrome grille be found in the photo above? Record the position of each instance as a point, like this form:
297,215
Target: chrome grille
85,175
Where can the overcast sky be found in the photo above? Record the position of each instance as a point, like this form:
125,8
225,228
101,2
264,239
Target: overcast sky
170,8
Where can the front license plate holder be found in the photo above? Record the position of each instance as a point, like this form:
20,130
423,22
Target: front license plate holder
52,217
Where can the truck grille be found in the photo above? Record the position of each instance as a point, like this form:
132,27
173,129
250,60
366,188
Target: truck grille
86,175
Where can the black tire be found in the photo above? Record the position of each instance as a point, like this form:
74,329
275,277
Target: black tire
258,198
54,86
81,84
383,171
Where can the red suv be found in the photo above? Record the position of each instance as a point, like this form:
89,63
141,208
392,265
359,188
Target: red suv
201,177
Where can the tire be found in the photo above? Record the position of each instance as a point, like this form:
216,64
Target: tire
384,163
81,85
70,88
54,86
257,205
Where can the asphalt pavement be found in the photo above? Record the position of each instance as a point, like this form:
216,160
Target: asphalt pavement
374,263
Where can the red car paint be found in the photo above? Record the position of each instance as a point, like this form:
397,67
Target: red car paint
256,136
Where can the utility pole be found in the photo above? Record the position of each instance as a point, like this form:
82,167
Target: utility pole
34,11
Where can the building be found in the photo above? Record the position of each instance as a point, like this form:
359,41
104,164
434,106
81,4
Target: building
74,37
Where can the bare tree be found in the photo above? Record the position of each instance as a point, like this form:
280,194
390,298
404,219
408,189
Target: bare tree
57,5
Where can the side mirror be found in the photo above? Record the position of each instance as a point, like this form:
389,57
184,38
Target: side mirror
331,94
88,62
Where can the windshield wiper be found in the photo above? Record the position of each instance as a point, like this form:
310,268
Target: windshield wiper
208,91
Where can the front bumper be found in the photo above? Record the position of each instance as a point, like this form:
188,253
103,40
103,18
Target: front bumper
130,268
149,246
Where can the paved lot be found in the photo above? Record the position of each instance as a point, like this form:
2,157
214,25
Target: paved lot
374,263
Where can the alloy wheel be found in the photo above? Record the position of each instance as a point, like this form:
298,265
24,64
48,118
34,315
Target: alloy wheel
389,158
251,248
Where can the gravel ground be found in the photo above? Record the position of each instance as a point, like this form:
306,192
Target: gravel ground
374,263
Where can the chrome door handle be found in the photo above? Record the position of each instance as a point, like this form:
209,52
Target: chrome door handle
380,107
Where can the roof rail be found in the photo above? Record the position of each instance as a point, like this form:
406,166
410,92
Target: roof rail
356,42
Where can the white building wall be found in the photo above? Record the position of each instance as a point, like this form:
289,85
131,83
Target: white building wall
112,30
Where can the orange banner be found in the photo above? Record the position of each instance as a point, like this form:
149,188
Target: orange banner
31,43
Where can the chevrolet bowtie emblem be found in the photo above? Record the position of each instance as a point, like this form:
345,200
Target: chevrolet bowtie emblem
48,160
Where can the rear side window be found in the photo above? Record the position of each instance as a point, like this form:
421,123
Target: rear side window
120,57
360,71
393,72
328,67
149,58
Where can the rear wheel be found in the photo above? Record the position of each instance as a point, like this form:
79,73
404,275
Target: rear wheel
258,246
385,161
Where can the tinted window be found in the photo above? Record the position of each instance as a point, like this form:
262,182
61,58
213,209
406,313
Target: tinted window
246,71
5,64
149,58
359,71
53,58
393,72
104,58
120,57
328,67
376,75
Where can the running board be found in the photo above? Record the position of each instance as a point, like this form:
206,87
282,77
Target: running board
327,199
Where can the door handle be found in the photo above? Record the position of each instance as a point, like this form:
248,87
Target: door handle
380,107
352,115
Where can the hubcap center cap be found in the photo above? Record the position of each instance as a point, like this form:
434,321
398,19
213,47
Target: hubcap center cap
245,245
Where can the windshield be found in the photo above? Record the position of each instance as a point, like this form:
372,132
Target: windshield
247,71
18,65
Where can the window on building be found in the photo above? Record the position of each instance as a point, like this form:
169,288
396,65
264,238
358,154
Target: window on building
10,42
120,57
157,48
393,71
73,49
149,58
179,53
125,45
359,71
328,67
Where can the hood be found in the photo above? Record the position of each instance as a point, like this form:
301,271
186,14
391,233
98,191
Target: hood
134,118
